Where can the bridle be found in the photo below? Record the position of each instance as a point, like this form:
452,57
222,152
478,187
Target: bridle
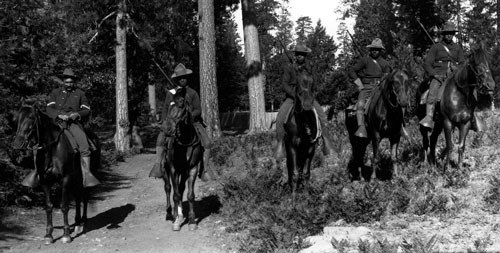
181,115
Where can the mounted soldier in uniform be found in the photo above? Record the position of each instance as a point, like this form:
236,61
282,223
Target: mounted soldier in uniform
367,73
67,106
441,61
289,81
180,77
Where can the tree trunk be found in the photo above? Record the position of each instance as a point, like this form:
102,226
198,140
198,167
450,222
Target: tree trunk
153,110
208,78
498,21
254,68
122,136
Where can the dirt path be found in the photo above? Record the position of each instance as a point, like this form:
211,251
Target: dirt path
127,215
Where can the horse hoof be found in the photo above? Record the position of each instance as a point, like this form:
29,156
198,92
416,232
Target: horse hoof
176,227
78,229
66,239
48,240
193,227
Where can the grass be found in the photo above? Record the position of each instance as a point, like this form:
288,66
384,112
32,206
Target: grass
266,219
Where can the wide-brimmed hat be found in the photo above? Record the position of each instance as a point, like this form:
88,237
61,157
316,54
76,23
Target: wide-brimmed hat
301,48
68,73
448,27
376,44
181,70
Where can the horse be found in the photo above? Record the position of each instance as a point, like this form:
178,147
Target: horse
456,107
56,162
302,131
384,119
183,155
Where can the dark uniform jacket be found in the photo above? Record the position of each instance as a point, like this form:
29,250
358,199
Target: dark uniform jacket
437,59
368,71
192,99
64,102
289,80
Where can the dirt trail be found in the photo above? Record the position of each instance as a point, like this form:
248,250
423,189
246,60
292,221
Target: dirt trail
127,215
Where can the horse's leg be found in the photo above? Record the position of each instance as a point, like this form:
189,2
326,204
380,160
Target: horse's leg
190,196
177,198
167,187
291,162
85,195
78,212
375,143
461,144
48,210
433,141
66,238
394,156
425,143
449,144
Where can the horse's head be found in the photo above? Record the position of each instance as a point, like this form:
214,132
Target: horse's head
27,128
304,97
396,86
178,116
478,65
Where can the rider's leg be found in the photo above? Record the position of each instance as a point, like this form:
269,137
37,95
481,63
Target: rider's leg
83,146
160,154
325,134
206,143
280,126
360,114
428,120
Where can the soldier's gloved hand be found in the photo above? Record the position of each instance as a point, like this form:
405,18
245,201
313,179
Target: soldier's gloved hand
74,116
359,84
64,117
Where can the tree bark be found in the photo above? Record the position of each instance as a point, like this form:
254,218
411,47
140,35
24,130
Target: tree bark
153,110
122,136
255,77
208,78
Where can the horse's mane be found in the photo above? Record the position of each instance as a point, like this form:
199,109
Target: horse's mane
478,55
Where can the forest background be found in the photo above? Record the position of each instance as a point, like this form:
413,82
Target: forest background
41,38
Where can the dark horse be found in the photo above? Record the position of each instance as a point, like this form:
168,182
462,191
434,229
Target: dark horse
56,162
384,119
456,106
302,131
184,153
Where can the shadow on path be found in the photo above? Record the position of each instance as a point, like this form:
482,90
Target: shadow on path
111,219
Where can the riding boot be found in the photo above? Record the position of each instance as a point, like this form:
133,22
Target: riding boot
428,120
202,174
477,124
88,179
327,142
156,171
32,179
361,132
279,153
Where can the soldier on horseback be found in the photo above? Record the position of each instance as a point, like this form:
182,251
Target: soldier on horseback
367,73
180,77
289,81
67,106
441,61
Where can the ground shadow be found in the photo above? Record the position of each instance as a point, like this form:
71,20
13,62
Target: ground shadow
9,231
203,208
110,219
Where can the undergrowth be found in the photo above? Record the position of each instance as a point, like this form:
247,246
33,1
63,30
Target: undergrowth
266,219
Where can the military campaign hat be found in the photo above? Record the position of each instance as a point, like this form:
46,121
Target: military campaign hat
181,70
448,27
376,44
301,48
